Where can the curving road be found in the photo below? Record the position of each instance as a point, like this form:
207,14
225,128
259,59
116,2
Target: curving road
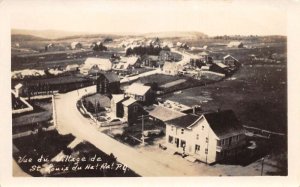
69,120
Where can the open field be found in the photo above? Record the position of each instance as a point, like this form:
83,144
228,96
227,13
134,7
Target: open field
258,96
54,59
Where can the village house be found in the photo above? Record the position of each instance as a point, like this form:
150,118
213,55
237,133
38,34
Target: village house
205,57
72,67
116,105
230,61
126,107
127,63
150,60
219,67
132,110
171,68
108,83
140,92
97,64
209,138
76,45
197,61
235,44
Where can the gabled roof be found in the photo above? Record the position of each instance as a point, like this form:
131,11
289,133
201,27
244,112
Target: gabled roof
118,97
234,43
183,121
223,123
221,65
129,101
111,77
103,64
228,56
165,114
203,53
138,89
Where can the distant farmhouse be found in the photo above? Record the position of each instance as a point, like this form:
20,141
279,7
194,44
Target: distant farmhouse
76,45
72,67
171,68
108,83
127,64
219,67
235,44
95,64
150,60
209,138
230,61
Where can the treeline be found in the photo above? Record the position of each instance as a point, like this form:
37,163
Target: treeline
99,47
149,50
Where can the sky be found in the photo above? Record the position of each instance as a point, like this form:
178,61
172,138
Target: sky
217,17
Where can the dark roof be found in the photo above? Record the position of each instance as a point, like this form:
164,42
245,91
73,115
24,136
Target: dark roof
111,76
223,122
183,121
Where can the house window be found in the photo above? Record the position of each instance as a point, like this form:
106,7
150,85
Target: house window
206,139
182,131
227,141
135,108
182,143
206,150
230,140
197,148
237,138
172,128
202,127
218,142
171,139
197,137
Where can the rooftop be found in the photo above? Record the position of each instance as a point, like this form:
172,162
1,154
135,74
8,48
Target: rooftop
220,64
138,89
183,121
229,56
223,122
117,97
164,114
111,76
128,102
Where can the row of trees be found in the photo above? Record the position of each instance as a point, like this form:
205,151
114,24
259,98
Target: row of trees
142,50
99,47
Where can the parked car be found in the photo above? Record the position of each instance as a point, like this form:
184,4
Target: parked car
113,122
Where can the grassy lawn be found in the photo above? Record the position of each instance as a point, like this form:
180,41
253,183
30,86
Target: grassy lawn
96,102
131,135
160,79
103,100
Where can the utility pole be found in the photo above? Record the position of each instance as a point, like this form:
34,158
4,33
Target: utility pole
143,138
262,166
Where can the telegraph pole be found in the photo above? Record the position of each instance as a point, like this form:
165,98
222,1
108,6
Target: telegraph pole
143,138
262,166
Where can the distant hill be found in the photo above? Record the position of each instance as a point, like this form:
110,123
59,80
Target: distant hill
176,34
62,35
22,37
50,34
